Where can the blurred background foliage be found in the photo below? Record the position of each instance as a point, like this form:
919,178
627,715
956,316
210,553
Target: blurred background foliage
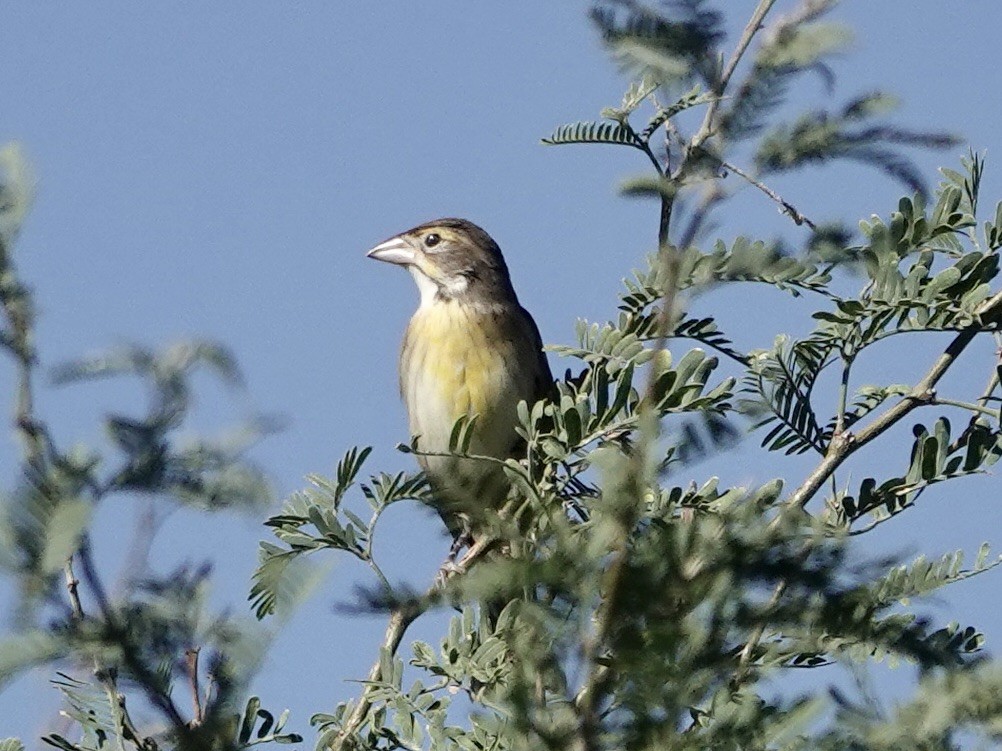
643,610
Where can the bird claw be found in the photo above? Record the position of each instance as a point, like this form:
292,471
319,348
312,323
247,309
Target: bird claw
450,566
463,540
446,570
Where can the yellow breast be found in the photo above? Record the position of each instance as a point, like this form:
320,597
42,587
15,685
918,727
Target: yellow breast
458,361
450,362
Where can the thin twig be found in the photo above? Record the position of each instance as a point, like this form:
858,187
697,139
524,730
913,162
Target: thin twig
707,128
191,665
748,651
125,729
751,28
712,195
646,148
843,398
369,557
978,408
787,208
146,678
401,617
93,579
16,302
993,380
72,588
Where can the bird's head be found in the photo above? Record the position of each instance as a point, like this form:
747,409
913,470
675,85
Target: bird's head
450,259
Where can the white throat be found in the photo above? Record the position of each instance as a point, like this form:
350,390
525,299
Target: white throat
426,287
429,289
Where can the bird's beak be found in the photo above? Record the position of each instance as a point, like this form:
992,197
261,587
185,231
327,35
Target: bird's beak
395,250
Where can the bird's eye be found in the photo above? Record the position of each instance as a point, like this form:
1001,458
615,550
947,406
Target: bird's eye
430,241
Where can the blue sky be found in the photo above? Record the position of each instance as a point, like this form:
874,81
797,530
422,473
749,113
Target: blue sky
220,169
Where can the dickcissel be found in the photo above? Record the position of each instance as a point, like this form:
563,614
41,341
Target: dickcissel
470,350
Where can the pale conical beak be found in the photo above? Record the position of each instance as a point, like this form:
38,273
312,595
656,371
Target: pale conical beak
395,250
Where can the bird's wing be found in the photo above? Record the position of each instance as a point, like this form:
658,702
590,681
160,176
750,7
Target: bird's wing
543,385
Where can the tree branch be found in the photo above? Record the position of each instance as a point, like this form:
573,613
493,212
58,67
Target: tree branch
787,208
969,406
751,29
401,617
588,699
191,665
843,446
843,398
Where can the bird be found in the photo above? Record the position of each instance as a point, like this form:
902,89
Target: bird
470,351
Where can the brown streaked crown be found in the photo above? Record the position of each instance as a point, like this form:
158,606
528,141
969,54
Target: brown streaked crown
458,249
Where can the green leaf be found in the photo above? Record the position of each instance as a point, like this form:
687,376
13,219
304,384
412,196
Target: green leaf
17,189
594,132
348,469
923,577
463,432
68,522
821,136
650,186
693,98
935,458
249,719
635,95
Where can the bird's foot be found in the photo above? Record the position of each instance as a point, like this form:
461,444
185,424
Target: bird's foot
463,540
448,569
451,566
